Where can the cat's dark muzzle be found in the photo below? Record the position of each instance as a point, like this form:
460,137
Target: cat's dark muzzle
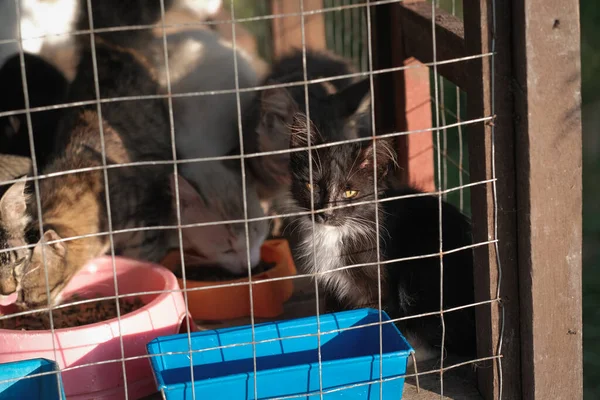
327,219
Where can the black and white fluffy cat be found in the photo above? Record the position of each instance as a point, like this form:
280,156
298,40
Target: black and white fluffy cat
346,174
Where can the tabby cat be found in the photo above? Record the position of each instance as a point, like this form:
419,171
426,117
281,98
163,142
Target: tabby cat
73,204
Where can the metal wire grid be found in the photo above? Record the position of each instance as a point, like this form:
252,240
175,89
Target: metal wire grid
441,126
452,94
346,32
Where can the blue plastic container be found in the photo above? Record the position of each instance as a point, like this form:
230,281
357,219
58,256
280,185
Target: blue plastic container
285,367
43,387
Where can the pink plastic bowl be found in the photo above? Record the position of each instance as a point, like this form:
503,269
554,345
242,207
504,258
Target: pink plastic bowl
163,314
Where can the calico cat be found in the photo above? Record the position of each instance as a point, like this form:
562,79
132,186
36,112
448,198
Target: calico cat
73,204
46,87
345,174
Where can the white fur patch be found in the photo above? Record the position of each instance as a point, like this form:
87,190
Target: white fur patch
323,245
203,8
188,55
322,251
52,18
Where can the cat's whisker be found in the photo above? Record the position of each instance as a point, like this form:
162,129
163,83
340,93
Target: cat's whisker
30,271
352,172
295,227
317,163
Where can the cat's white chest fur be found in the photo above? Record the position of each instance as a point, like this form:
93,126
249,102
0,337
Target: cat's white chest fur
322,251
323,247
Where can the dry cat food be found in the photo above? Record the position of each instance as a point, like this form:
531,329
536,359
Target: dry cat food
210,273
75,315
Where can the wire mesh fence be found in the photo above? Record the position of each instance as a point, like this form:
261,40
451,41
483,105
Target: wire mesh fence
347,32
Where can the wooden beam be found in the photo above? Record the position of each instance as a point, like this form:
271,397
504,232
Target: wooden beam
547,93
483,100
287,31
417,114
449,34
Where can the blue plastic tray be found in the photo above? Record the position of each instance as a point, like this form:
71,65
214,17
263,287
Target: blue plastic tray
43,387
285,367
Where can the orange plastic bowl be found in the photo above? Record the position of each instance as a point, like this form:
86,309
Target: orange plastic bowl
230,302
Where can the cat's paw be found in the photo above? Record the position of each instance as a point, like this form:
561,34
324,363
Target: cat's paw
8,284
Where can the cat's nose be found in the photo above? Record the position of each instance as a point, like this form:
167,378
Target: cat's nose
321,217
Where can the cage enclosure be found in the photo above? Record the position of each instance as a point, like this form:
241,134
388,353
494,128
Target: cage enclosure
183,133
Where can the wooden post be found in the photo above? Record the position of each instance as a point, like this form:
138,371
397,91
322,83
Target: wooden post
287,31
547,93
485,99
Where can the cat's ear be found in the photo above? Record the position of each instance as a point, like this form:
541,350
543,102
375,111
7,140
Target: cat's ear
279,128
58,248
386,156
13,207
282,123
354,98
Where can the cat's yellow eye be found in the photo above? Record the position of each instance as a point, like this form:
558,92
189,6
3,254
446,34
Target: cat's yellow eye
309,186
349,194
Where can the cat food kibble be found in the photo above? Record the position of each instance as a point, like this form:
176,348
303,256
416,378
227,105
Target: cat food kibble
75,315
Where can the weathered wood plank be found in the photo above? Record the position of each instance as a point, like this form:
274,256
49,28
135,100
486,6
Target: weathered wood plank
488,93
449,34
287,31
459,383
547,93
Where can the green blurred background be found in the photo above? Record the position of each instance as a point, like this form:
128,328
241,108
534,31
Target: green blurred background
346,36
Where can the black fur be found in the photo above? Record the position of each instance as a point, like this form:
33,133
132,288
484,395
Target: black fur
46,86
413,227
277,116
408,228
139,195
123,13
